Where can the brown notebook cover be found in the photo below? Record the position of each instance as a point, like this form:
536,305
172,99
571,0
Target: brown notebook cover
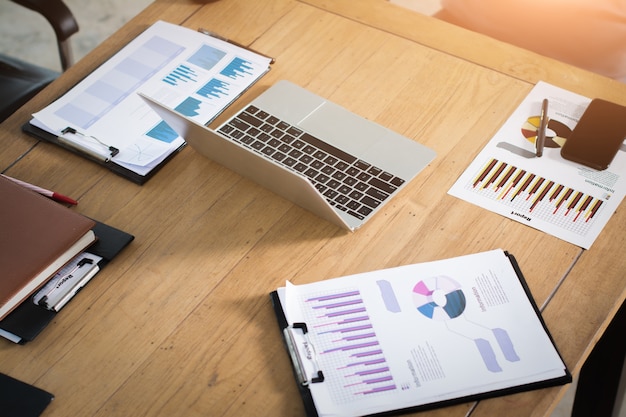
38,236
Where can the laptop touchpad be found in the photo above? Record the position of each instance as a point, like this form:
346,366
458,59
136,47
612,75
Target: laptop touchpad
342,128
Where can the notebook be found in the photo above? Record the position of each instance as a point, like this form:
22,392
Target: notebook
38,237
29,319
19,399
310,151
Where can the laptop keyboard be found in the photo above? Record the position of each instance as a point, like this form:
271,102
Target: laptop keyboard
348,183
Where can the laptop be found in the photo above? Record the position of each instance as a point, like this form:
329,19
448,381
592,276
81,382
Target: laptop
310,151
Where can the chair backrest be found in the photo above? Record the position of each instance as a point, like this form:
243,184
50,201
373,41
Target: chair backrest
20,80
62,21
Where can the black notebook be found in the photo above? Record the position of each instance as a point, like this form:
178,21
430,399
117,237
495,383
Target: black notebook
28,320
19,399
417,337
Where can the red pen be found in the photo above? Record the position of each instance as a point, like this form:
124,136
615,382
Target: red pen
51,194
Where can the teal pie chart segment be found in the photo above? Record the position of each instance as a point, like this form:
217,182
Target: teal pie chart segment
439,298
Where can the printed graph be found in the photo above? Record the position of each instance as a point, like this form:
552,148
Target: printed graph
181,74
189,107
238,68
348,350
528,194
163,132
214,89
206,57
121,81
441,298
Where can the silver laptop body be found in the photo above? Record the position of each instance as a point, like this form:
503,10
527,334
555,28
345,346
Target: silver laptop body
354,147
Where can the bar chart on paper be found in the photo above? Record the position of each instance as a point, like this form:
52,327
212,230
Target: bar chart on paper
532,195
238,68
214,89
181,74
551,194
120,82
347,346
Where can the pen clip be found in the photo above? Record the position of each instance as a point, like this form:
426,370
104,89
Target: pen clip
302,353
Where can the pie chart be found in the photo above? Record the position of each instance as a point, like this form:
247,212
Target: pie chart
556,140
439,298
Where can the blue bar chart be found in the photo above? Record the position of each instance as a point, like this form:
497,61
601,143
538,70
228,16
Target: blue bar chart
238,68
189,107
181,74
347,346
163,132
214,89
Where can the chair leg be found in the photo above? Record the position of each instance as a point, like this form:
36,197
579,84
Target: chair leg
66,55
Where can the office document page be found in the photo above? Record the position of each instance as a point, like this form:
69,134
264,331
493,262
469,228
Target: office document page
196,74
421,334
551,194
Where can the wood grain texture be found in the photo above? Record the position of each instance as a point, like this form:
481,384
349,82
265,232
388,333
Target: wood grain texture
180,324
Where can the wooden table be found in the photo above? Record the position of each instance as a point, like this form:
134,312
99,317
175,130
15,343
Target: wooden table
180,324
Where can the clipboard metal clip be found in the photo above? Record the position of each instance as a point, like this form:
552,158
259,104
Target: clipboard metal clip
302,353
111,151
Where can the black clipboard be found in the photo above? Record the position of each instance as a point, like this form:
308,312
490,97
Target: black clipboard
29,319
111,165
129,174
309,404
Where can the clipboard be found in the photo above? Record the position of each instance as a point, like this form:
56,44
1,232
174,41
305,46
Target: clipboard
41,134
304,387
206,100
28,320
283,325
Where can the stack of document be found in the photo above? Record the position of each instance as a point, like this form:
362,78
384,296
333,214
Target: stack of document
103,118
39,236
48,252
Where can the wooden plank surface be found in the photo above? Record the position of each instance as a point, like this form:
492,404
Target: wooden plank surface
180,324
475,47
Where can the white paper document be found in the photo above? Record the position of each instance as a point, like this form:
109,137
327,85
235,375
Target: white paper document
554,195
197,74
421,334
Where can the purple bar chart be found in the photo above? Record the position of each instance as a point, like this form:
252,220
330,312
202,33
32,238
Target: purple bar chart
346,344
